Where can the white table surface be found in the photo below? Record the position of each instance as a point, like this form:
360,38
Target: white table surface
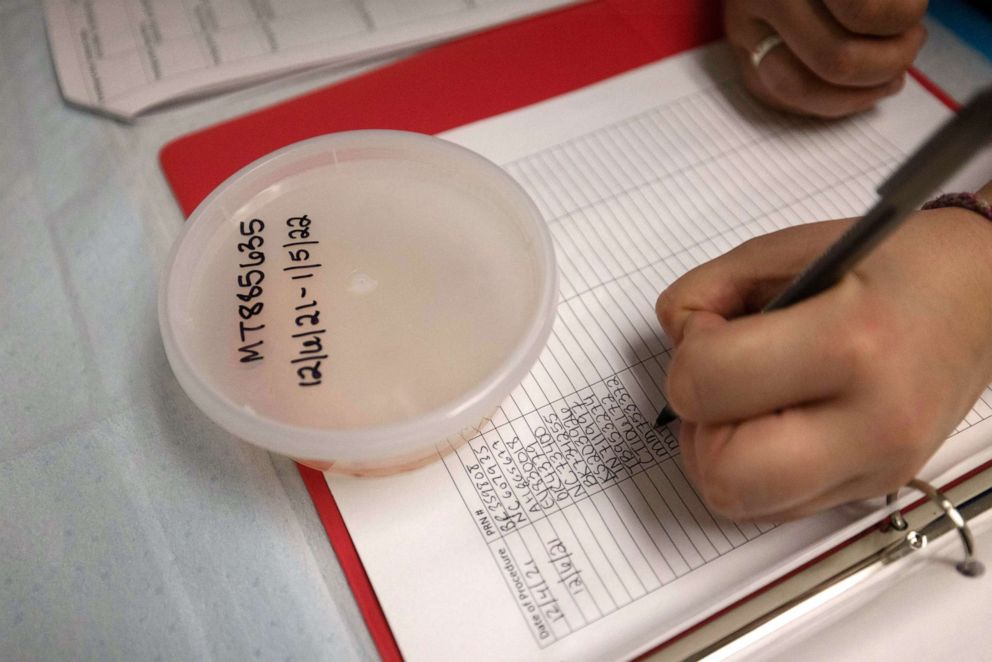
131,527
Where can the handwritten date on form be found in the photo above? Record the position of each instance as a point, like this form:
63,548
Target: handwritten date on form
549,492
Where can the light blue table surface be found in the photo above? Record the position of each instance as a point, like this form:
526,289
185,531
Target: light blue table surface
131,527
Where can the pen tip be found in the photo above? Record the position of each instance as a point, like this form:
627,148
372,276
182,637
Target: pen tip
665,417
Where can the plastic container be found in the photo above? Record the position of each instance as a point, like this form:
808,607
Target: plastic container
359,301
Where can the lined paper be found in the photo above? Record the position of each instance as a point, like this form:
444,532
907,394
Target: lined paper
567,527
125,56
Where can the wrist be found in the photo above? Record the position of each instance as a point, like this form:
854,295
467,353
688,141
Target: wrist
967,255
975,244
972,202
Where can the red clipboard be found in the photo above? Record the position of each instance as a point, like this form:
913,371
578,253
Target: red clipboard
460,82
488,73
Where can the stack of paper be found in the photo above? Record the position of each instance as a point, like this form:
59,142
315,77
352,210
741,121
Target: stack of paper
126,56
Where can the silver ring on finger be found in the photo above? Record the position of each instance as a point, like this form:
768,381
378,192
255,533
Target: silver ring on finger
764,47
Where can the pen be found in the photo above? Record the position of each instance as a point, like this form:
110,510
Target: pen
900,195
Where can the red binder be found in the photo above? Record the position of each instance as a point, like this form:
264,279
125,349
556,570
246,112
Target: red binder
454,84
460,82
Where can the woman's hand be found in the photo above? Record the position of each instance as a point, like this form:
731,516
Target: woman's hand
838,57
842,396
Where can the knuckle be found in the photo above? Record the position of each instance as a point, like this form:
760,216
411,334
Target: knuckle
896,86
877,16
857,16
917,37
839,63
752,248
666,308
862,345
787,85
914,10
684,390
721,491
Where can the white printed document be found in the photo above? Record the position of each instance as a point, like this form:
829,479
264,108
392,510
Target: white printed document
566,529
126,56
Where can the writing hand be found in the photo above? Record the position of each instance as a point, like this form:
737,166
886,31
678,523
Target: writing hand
842,396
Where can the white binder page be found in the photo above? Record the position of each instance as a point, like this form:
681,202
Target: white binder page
125,56
566,529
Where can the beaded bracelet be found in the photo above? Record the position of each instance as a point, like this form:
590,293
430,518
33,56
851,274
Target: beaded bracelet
964,200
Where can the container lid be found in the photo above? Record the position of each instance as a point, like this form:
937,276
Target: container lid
358,297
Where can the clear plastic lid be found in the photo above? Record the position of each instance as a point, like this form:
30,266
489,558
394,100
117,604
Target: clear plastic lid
358,298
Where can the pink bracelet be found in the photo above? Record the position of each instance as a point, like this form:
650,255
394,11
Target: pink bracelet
964,200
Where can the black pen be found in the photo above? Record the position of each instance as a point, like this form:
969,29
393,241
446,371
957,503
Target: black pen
900,195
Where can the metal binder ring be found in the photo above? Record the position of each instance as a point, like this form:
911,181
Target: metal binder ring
896,520
970,566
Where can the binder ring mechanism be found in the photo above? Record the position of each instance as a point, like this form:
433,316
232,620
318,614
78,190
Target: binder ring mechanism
970,566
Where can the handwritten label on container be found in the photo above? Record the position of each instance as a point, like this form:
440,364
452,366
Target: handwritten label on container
300,247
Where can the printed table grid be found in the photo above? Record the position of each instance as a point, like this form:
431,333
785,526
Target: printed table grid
585,508
208,38
583,505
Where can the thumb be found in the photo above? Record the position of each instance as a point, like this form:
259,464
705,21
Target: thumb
744,279
700,321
